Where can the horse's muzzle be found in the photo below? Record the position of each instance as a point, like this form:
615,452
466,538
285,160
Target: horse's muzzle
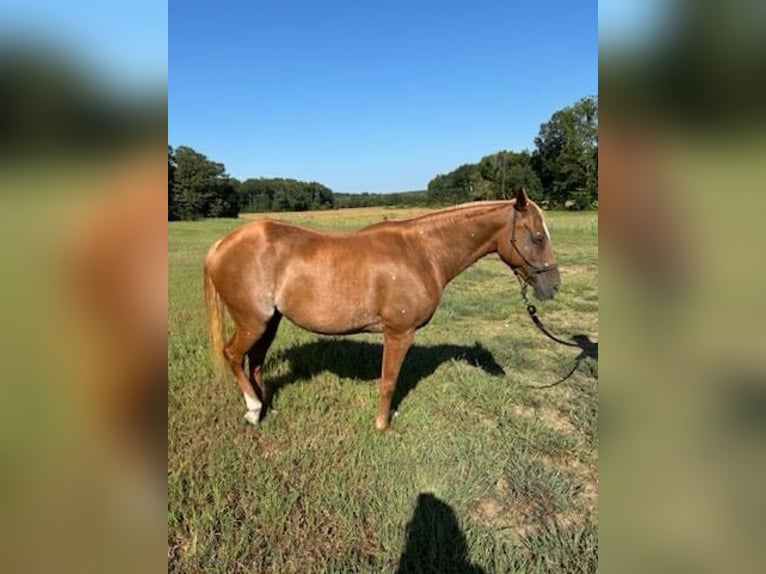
546,287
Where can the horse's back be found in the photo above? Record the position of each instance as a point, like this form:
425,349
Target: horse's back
256,239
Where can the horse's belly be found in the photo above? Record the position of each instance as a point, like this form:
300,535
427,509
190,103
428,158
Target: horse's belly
331,314
335,321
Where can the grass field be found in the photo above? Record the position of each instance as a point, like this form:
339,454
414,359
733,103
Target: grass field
479,472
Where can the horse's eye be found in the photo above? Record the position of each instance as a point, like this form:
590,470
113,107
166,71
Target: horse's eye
538,238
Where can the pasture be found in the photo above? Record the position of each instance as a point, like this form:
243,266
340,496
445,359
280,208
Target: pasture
480,472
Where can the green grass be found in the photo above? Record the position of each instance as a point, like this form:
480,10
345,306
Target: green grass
479,473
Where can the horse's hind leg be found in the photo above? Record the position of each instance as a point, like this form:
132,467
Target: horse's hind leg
240,343
257,355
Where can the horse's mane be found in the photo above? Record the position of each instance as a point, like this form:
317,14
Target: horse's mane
448,214
441,217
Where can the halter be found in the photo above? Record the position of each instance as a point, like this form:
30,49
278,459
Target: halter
530,266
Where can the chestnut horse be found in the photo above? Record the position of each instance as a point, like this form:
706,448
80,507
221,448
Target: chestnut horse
388,277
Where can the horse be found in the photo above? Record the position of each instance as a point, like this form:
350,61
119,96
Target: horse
385,278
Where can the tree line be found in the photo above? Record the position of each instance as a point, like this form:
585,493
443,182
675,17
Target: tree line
417,198
199,187
278,194
561,172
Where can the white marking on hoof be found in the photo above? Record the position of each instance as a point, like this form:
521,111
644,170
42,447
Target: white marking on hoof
252,403
253,416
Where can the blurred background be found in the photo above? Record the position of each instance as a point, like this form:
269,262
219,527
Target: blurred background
83,257
683,397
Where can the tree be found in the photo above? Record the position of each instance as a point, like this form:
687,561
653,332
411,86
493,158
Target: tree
202,188
256,195
172,201
321,196
494,177
455,187
226,198
505,171
281,201
566,155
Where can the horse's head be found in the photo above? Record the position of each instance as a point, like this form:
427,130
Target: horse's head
525,246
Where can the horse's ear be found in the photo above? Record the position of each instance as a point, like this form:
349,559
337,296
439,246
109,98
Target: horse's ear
521,199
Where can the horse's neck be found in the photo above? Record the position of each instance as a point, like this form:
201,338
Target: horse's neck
455,244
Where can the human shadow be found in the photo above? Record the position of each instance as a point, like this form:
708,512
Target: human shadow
434,542
347,358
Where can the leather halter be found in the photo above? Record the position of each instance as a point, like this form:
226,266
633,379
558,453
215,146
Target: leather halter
531,267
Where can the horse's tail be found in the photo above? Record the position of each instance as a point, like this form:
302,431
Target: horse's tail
214,310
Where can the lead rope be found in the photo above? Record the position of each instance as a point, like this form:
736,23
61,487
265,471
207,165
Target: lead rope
589,348
532,310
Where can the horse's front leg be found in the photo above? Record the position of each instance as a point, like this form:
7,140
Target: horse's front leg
395,347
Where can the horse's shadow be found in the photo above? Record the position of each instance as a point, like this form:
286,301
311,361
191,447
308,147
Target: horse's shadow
347,358
589,349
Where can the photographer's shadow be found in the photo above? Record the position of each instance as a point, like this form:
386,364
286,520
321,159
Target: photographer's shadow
435,544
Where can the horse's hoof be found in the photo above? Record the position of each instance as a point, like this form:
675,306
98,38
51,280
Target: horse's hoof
253,417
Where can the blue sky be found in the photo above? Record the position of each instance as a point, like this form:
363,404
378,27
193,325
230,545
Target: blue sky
372,96
122,43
